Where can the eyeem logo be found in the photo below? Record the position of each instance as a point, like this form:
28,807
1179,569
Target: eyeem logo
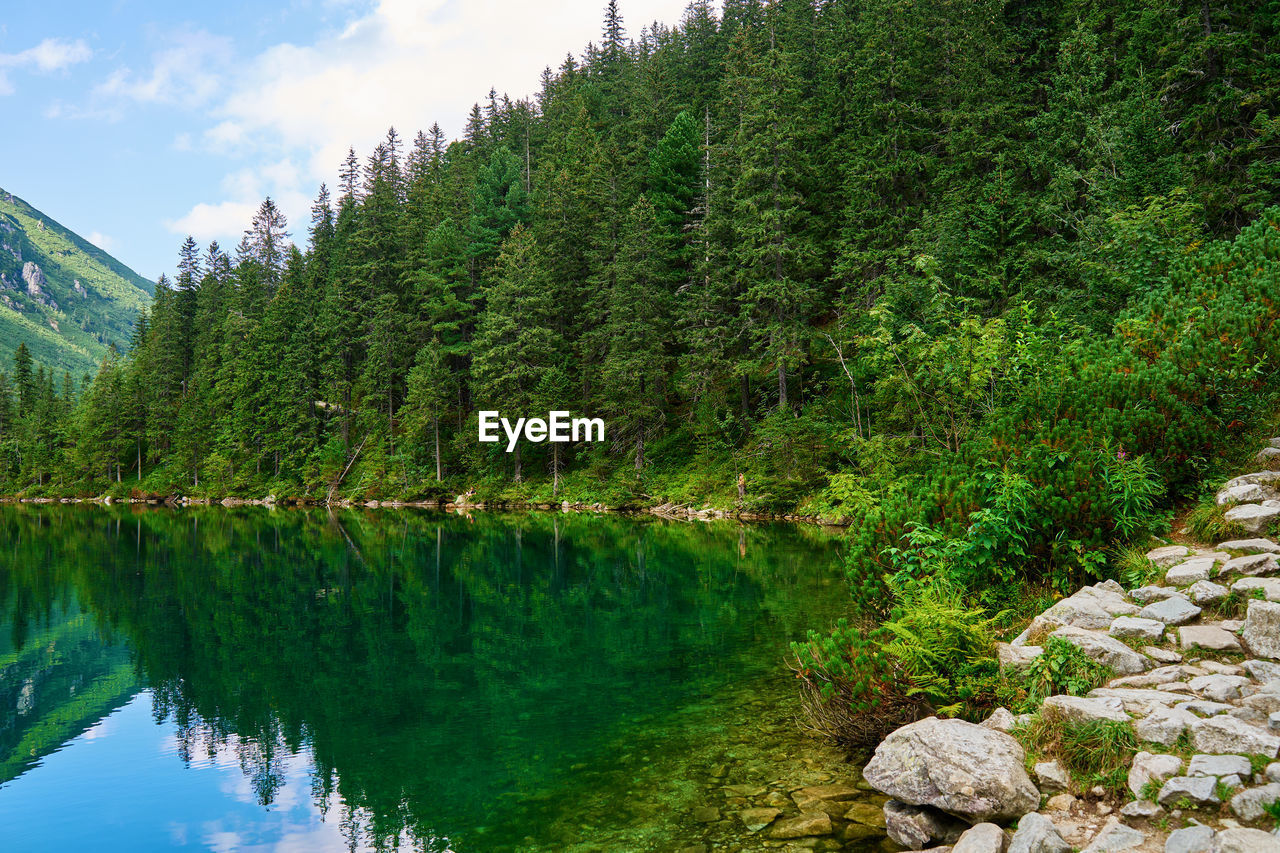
558,427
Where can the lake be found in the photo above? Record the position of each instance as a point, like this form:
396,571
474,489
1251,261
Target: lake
254,679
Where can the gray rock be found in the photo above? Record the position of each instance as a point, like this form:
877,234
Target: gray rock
1037,834
1252,564
1169,555
1262,670
1252,517
1242,494
1204,707
1226,735
1076,709
1106,650
1239,840
1001,719
916,826
1218,688
1148,767
1195,569
1148,594
1013,657
1176,610
1250,546
1161,655
1268,454
1248,804
1273,771
1219,765
1052,776
1126,627
757,819
961,768
1115,837
1261,631
1190,839
1262,478
983,838
1164,726
1199,790
1208,637
1269,587
1141,808
1206,592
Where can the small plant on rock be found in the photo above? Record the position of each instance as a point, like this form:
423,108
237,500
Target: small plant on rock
1062,668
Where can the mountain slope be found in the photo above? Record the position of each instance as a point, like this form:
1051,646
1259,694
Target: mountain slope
62,296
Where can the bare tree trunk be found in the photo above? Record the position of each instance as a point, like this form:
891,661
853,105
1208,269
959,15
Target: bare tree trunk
435,426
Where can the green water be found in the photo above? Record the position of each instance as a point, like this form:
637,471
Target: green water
254,679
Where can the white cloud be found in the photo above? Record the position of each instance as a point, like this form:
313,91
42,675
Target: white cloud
188,70
102,241
50,55
214,221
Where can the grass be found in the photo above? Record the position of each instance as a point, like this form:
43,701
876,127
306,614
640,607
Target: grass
1096,752
1207,522
1135,569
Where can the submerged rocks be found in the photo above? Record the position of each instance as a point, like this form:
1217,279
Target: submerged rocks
958,767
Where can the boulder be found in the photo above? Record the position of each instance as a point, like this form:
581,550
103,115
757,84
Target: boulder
1193,570
802,826
1148,767
1148,594
1015,658
1252,565
1250,546
1252,518
1261,631
961,768
1218,688
1106,650
1262,670
1001,719
1161,655
1175,610
1164,726
1169,555
915,826
1206,592
1037,834
983,838
1114,838
1077,709
1196,838
1268,455
1248,805
1242,494
1198,790
1134,627
1141,808
1052,776
1209,637
1219,765
1269,587
1226,735
1239,840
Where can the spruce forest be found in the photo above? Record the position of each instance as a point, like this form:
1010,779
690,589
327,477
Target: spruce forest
998,276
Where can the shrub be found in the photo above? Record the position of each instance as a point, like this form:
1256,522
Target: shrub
1061,668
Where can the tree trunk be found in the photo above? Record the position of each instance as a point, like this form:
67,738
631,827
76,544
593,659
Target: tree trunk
435,426
517,463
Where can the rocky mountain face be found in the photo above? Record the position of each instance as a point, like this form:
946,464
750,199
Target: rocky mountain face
65,298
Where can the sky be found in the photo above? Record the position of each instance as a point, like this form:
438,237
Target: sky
137,122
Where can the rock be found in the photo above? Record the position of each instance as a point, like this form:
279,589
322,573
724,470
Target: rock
1225,735
1209,637
1126,627
706,814
1244,493
1013,657
867,814
1075,709
1141,808
1115,837
1239,840
1251,517
1219,688
1268,454
1060,803
1037,834
1193,570
1052,776
1269,587
1148,594
1262,670
1248,805
983,838
1261,631
1190,839
34,278
1148,767
1204,707
757,819
809,823
1164,726
1175,610
1001,719
1199,790
1161,655
1106,650
1250,546
1252,564
961,768
1206,592
1219,765
915,826
1169,555
1090,608
836,793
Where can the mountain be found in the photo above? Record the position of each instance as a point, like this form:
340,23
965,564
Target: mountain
62,296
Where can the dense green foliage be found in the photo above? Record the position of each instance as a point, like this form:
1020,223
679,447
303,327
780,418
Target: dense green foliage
75,303
791,239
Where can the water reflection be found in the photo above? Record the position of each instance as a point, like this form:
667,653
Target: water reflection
430,682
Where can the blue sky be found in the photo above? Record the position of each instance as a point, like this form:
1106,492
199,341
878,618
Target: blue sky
136,122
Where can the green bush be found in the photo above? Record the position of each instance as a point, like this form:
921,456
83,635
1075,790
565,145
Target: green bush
1061,668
